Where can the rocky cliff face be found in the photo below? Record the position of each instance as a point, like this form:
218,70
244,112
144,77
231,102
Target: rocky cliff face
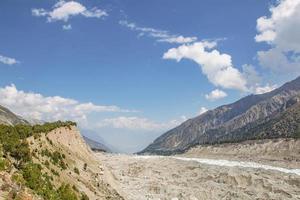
231,122
60,165
48,161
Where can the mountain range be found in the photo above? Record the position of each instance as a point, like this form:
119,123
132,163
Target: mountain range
271,115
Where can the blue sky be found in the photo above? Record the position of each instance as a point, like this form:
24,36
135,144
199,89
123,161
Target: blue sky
112,62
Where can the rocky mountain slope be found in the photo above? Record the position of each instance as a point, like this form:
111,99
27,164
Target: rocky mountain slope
270,115
49,161
9,118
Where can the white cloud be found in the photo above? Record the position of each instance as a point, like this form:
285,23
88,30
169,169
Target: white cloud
264,89
215,95
216,66
137,123
254,81
202,110
251,75
39,12
159,35
266,36
36,106
7,60
64,10
279,61
281,31
178,39
95,12
67,27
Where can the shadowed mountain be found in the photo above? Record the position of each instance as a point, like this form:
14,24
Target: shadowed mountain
269,115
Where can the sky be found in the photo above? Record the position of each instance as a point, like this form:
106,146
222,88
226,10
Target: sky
127,71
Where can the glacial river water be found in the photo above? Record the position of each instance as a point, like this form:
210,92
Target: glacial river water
229,163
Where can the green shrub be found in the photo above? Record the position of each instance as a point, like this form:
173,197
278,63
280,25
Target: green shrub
76,170
56,158
33,175
13,140
47,164
297,133
5,164
2,164
62,165
74,188
84,197
21,152
18,178
54,172
66,193
13,143
39,182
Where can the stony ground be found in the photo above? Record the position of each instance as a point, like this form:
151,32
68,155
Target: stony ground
166,178
277,152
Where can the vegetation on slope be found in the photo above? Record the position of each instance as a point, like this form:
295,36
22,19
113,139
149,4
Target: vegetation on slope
17,158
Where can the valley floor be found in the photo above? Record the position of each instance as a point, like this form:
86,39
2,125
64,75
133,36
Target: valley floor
191,177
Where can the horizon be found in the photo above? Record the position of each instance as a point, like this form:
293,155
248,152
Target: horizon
128,72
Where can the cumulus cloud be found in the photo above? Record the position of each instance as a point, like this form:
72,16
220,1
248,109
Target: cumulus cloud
251,75
64,10
216,66
7,60
202,110
254,81
159,35
281,31
138,123
36,106
279,61
215,95
265,89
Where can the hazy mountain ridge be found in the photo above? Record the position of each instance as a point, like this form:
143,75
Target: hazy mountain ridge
9,118
96,146
230,122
